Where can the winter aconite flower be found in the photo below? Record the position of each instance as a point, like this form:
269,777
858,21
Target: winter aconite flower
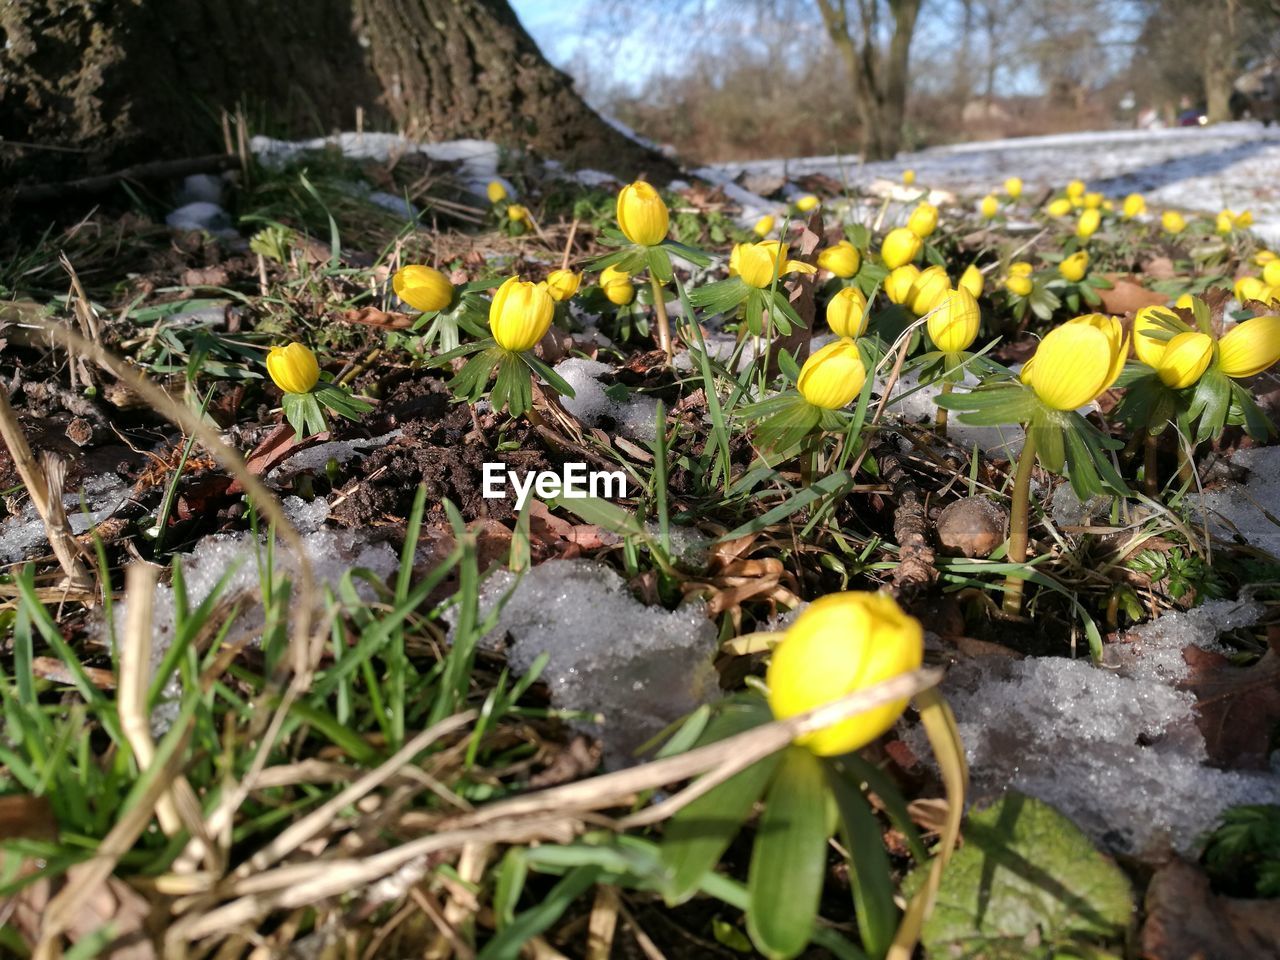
520,314
833,376
496,191
1225,222
908,177
990,205
972,280
642,214
1149,349
1013,187
900,246
293,368
1135,205
617,286
1250,347
517,213
1059,208
758,263
1088,223
1185,359
842,259
423,288
847,313
563,284
1019,281
1076,189
806,203
1092,200
1076,362
841,643
1271,272
1250,288
764,226
928,290
1172,222
923,220
1074,267
900,281
953,325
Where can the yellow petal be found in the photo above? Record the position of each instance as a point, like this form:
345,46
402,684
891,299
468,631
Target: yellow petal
1072,366
1250,347
1185,359
832,376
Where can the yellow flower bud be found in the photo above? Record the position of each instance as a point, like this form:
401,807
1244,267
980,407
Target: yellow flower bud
953,326
806,203
847,313
1172,222
1076,189
923,220
422,288
1185,359
1186,301
1076,362
1108,206
1225,221
1148,349
1135,205
908,177
1074,267
843,259
1013,187
520,314
1088,223
1271,273
972,280
898,284
643,217
617,286
1058,208
900,246
563,284
1244,220
764,226
1250,347
833,376
518,213
1020,268
990,205
293,368
841,643
1250,288
1263,257
929,289
496,191
1271,295
1022,286
1093,200
756,263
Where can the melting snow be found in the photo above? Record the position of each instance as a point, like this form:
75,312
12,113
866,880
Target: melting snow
22,535
1250,509
634,416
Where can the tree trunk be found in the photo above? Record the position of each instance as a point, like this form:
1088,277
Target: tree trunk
1219,46
86,87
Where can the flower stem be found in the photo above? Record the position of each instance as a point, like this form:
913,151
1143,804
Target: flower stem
660,309
1150,476
940,421
1018,521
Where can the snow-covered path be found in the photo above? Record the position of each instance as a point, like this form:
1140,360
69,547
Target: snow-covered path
1235,165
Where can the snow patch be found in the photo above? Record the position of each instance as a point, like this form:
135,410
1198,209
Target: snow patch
1249,510
22,535
634,416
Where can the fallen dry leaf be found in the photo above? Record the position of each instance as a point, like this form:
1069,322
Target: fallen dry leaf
1237,707
1185,920
1129,296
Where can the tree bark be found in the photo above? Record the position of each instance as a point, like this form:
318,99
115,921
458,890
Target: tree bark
89,86
1220,51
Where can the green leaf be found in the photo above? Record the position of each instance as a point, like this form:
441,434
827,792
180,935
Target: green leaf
513,387
1027,884
992,406
789,858
548,375
695,256
659,263
721,296
527,925
870,874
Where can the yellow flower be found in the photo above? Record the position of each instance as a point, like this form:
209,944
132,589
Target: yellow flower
1250,288
293,368
1225,222
517,213
1020,285
1074,267
923,220
833,376
1088,223
563,284
617,286
1185,301
1108,206
1148,349
1059,208
757,262
1250,347
1271,273
929,289
642,215
806,203
1020,268
900,246
953,326
972,280
422,288
520,314
841,643
1185,359
842,259
847,313
764,226
1135,205
1076,189
1172,222
990,205
898,284
908,177
1244,220
1093,200
1076,362
496,191
1263,257
1013,187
